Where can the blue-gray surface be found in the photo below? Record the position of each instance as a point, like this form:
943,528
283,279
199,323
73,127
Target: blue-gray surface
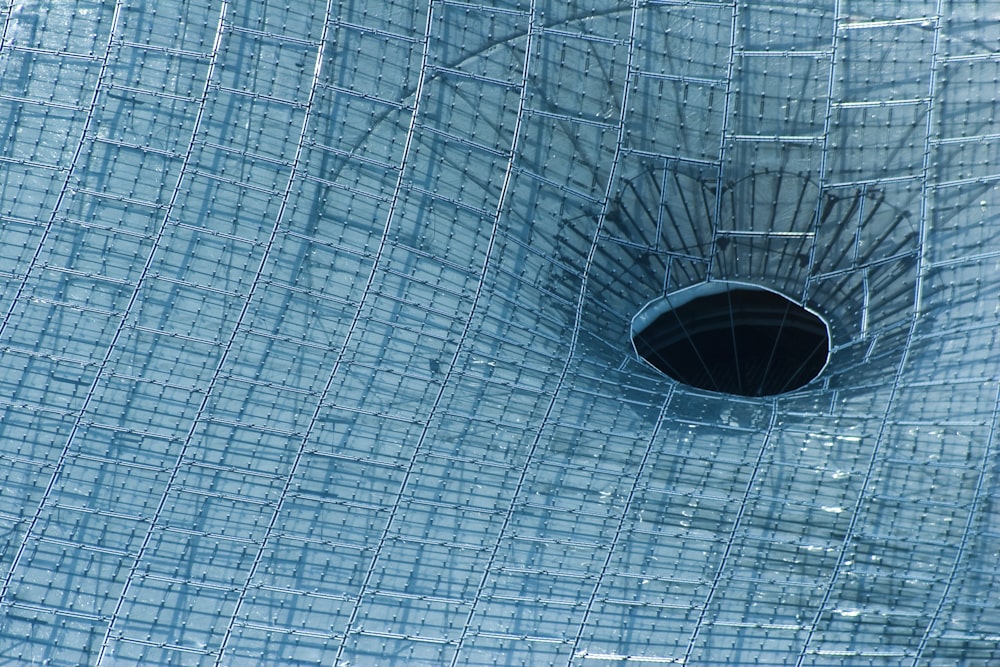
315,332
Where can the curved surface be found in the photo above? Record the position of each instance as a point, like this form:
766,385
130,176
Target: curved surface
315,346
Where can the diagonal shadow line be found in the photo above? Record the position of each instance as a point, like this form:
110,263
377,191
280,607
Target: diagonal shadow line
774,349
808,358
691,342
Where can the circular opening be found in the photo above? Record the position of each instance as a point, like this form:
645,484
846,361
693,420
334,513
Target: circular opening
732,338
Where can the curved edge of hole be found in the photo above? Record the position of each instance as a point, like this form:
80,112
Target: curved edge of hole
649,313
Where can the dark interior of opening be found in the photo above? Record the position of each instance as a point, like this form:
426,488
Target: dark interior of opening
741,341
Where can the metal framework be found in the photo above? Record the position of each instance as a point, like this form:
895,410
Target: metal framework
314,332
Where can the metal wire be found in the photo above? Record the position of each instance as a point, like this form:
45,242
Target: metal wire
315,348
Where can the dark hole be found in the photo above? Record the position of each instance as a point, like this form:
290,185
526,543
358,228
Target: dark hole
744,341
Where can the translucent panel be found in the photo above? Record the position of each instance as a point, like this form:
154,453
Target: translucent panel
315,332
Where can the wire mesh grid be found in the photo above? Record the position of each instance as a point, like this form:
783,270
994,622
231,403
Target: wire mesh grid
315,332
